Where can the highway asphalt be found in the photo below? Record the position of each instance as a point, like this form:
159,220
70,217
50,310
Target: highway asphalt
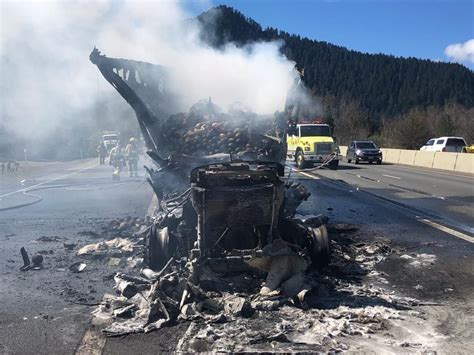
441,195
447,282
41,311
393,202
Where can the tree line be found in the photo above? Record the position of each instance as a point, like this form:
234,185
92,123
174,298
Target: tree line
409,130
399,102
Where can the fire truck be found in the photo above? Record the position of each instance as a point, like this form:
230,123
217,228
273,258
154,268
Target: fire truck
310,143
110,139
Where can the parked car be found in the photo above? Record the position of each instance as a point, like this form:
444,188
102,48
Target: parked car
429,146
445,144
468,149
363,151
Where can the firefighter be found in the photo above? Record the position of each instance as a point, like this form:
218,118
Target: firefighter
102,150
131,153
117,159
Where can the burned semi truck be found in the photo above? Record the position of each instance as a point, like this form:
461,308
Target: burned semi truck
218,177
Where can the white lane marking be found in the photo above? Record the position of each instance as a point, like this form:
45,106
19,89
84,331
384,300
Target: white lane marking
48,181
447,230
423,220
305,174
391,176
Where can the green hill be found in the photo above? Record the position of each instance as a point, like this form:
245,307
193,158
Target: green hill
382,86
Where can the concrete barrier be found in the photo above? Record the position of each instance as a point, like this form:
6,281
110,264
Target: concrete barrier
391,156
446,161
460,162
464,163
423,158
407,157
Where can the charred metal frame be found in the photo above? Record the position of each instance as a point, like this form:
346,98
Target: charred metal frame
237,207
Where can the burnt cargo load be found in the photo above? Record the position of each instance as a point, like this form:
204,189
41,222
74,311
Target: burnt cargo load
218,177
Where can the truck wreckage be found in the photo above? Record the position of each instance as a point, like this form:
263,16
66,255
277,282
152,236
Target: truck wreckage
223,203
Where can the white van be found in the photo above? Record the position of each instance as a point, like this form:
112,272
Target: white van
445,144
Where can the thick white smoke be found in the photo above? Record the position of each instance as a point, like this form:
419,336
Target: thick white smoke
48,81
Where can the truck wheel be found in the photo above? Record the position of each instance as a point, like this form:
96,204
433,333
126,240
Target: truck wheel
300,161
333,165
159,248
320,246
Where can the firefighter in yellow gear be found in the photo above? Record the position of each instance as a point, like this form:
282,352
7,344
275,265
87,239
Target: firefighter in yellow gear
117,159
131,154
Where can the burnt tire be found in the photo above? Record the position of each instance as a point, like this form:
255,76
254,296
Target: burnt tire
159,248
300,160
320,251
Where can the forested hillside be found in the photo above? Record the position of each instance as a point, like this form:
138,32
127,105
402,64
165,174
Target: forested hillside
377,91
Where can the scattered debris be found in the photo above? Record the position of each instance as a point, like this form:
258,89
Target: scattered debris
36,261
114,247
127,226
234,308
417,260
69,246
26,259
47,239
225,247
77,267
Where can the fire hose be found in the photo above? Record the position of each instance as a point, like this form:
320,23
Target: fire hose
38,199
325,163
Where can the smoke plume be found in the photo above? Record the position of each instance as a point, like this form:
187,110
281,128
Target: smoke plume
51,92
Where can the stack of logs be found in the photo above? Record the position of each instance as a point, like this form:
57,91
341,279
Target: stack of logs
200,135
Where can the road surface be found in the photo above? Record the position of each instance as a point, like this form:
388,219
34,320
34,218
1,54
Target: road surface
43,312
420,213
401,215
445,196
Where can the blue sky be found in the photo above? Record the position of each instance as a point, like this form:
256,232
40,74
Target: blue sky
408,28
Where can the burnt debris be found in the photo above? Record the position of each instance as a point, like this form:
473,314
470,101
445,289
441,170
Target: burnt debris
224,206
218,176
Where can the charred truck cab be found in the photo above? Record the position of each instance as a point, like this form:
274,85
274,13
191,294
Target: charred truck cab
218,178
312,143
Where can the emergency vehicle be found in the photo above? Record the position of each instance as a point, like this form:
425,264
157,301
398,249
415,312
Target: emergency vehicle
312,143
